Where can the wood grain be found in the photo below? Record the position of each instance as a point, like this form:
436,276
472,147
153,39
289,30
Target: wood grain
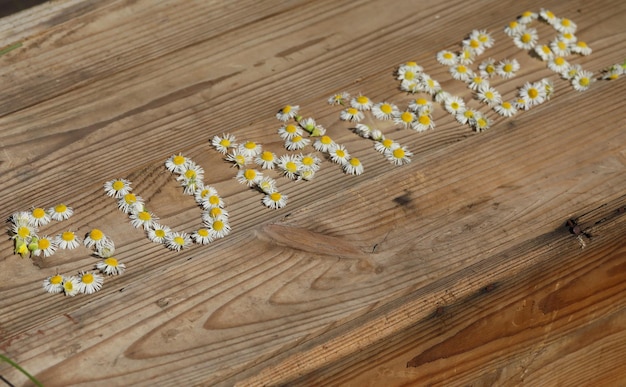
456,269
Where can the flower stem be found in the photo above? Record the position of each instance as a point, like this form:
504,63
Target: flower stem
22,370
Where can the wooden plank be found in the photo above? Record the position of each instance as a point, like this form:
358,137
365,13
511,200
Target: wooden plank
458,264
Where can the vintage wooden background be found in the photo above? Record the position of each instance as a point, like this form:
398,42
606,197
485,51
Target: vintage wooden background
456,269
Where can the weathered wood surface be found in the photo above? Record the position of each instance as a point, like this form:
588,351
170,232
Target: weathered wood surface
455,269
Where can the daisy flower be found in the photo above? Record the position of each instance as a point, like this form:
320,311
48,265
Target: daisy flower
275,200
209,198
351,114
533,93
111,266
446,58
308,124
613,72
117,188
526,38
489,95
191,178
377,135
309,162
290,166
548,87
323,144
250,149
474,45
38,217
384,110
176,163
560,47
266,160
544,52
583,80
513,28
420,105
478,81
507,68
46,245
362,130
60,212
130,203
249,177
159,233
71,286
487,68
177,241
385,145
215,213
454,104
465,116
423,122
353,167
339,154
571,71
218,228
441,96
202,236
287,112
296,143
105,250
306,174
564,25
558,64
522,104
89,282
461,72
339,98
407,74
53,284
547,16
399,155
267,184
480,122
223,143
238,159
412,86
429,85
20,218
143,219
505,109
483,37
361,103
67,240
580,48
24,231
289,131
527,17
95,238
466,56
568,37
404,118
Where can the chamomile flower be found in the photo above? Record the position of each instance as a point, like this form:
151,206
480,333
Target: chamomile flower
483,37
461,72
564,25
351,114
547,16
377,135
580,48
613,72
429,85
95,238
474,45
385,144
53,284
250,149
289,165
522,104
480,122
560,47
423,122
441,96
339,98
287,112
526,38
534,93
548,86
105,250
420,105
267,184
306,174
309,162
384,110
362,130
478,81
465,116
405,118
323,144
177,241
89,282
571,72
215,213
296,143
38,217
176,163
191,178
210,198
558,64
159,233
23,231
117,188
143,219
60,212
71,286
568,37
487,68
398,155
218,228
238,159
466,56
407,74
202,236
513,28
583,80
527,17
447,58
507,68
505,109
353,167
111,266
46,245
249,177
489,95
20,218
339,154
361,103
224,142
544,52
266,160
289,131
308,124
454,104
275,200
67,240
130,203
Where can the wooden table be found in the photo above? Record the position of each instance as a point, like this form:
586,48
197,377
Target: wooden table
455,269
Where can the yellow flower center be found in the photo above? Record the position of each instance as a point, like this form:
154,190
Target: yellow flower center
250,145
387,143
68,286
87,278
527,14
326,140
561,44
118,185
218,225
448,55
352,111
291,128
67,236
398,153
43,243
96,234
565,22
297,139
489,95
203,232
23,232
250,174
559,61
549,15
468,114
490,68
56,279
546,49
308,161
111,261
424,120
61,208
409,75
287,109
355,162
39,213
462,69
159,233
225,142
474,43
483,38
340,153
362,99
179,240
507,68
481,122
513,24
584,81
190,174
178,160
582,44
526,37
406,117
533,93
421,101
411,64
454,105
506,105
267,156
144,215
290,166
275,196
215,212
130,198
240,159
214,200
386,108
204,193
